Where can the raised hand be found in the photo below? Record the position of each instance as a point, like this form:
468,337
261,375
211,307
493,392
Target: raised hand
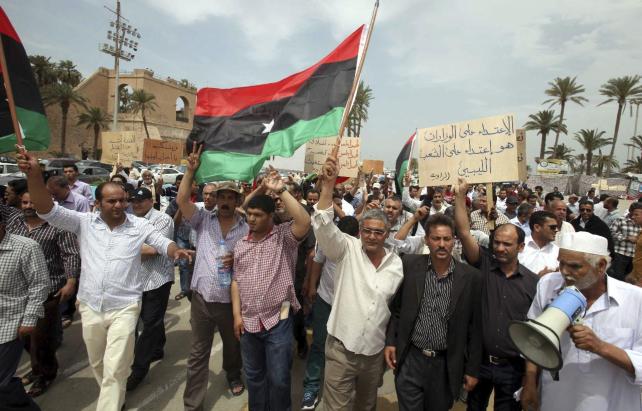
330,170
194,158
26,162
273,180
461,188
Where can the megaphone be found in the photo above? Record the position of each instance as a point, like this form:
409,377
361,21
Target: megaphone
539,340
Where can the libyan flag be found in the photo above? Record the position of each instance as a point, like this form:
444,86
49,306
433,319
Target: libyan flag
242,127
401,166
29,108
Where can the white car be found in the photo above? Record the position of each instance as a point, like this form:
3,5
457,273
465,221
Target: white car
169,174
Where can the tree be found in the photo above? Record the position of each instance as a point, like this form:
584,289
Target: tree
67,73
359,113
591,140
43,69
64,95
563,90
544,121
560,152
620,90
633,166
94,118
143,102
603,161
579,164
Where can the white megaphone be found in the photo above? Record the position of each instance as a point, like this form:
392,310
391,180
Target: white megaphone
539,340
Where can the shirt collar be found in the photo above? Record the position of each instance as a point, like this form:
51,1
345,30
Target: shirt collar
129,220
69,198
451,266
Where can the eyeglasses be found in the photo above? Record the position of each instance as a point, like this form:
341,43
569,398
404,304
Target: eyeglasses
370,231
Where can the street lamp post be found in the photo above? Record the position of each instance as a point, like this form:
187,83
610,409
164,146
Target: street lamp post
124,35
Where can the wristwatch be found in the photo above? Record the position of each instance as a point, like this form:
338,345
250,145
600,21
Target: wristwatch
281,190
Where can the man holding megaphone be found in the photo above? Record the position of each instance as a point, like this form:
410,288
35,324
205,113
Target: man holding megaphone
601,353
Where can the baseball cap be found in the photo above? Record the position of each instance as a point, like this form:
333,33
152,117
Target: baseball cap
376,185
140,194
227,186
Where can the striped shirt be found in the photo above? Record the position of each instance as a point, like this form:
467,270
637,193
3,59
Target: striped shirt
24,285
208,236
159,269
59,247
431,326
110,270
478,221
621,230
8,213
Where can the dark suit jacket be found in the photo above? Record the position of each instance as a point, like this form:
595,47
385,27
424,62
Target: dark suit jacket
596,226
464,341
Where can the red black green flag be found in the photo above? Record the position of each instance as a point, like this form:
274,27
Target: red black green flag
29,108
241,127
401,166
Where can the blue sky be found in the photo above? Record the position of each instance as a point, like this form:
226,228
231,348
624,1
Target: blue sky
429,63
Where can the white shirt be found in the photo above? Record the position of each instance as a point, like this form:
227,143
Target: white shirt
443,208
536,259
599,210
110,275
158,270
412,203
588,382
501,204
326,283
574,208
360,312
347,208
566,228
526,227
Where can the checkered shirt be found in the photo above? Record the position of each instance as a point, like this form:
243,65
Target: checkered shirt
159,269
478,221
24,285
264,272
60,248
621,229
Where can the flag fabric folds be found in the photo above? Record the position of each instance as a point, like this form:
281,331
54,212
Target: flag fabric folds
29,108
241,127
401,165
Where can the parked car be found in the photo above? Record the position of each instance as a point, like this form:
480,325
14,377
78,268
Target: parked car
91,175
94,163
5,178
8,168
169,174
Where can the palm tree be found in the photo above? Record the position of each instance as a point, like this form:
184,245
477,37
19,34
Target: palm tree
544,121
636,142
359,112
43,69
604,161
579,165
591,140
633,166
64,95
563,90
95,118
620,90
67,73
560,152
143,102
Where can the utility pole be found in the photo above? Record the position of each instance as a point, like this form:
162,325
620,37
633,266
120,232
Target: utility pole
123,35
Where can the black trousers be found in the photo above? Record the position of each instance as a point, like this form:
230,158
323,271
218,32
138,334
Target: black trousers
12,393
621,266
45,340
505,379
151,341
422,383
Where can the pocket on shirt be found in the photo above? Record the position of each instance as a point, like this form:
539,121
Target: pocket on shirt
620,337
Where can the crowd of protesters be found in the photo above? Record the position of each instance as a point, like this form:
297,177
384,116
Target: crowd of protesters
423,281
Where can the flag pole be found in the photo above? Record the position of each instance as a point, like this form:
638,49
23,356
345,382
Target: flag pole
355,83
10,100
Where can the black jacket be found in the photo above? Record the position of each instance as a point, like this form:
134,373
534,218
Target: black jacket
464,351
596,226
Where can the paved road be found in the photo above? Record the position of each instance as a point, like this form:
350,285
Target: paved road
75,389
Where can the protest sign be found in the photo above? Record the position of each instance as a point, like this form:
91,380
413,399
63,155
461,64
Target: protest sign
481,150
121,145
372,166
520,137
162,152
318,149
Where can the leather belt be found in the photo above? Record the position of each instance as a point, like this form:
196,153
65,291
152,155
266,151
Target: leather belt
432,353
492,360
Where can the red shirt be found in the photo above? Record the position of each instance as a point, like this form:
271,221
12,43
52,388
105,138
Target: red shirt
264,271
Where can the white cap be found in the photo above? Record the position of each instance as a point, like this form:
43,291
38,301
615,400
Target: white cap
376,185
585,242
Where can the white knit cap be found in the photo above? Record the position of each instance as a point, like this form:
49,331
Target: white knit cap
585,242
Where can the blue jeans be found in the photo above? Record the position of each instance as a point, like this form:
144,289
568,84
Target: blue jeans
267,360
316,360
183,266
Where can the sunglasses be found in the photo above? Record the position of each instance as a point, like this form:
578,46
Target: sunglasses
376,233
553,227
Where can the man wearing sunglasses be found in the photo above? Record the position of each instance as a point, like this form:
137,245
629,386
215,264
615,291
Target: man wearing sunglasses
540,252
589,222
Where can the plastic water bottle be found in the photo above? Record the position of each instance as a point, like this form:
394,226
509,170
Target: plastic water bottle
224,273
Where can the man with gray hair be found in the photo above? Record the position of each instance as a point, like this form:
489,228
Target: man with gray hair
603,354
367,277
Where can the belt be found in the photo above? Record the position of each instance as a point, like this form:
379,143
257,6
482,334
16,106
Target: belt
492,360
431,353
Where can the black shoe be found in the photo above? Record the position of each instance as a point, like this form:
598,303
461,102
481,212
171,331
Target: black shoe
158,356
133,381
